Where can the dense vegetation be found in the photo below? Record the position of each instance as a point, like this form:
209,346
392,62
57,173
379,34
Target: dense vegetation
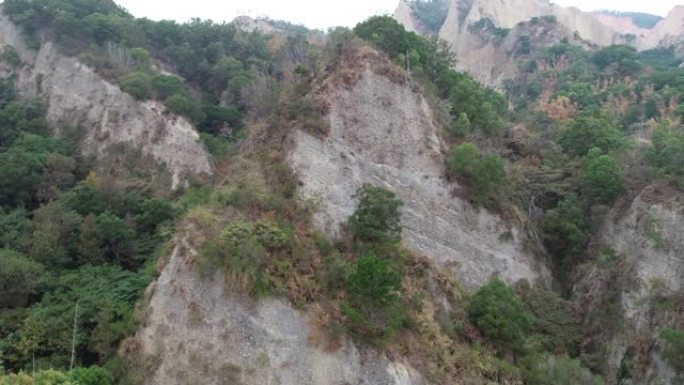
74,246
77,244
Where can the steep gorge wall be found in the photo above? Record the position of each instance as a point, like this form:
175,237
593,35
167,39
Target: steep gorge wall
382,132
196,331
644,249
77,96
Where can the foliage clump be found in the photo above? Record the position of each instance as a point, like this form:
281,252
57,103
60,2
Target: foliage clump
482,175
500,315
377,218
373,307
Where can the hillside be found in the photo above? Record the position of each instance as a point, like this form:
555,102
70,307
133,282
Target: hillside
254,202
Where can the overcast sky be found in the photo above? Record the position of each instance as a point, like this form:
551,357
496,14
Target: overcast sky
327,13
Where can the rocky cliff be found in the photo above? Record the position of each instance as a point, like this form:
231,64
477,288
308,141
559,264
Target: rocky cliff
195,329
636,285
382,132
481,32
78,97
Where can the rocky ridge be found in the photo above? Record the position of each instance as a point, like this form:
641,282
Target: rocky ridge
78,97
485,56
382,132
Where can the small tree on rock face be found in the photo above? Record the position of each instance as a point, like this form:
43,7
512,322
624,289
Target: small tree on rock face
602,178
481,174
138,84
373,310
500,315
377,217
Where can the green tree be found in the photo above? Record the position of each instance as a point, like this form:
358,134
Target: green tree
141,59
186,106
372,282
154,212
50,322
461,126
55,234
377,218
93,375
482,175
589,131
667,153
373,309
138,84
166,85
89,247
22,165
116,236
565,228
602,179
15,230
20,277
547,369
500,315
622,57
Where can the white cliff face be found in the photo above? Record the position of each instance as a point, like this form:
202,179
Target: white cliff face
668,31
77,96
195,330
646,235
487,59
383,133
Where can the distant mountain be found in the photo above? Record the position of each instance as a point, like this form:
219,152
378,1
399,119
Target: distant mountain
486,35
641,20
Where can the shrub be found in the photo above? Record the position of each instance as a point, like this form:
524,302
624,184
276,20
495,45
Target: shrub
547,369
43,377
602,179
377,218
166,85
138,84
667,153
461,126
482,175
373,309
565,228
19,278
673,351
500,315
589,131
556,322
93,375
186,106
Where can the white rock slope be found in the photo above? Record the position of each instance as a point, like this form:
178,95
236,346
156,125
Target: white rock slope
77,96
194,330
646,235
383,133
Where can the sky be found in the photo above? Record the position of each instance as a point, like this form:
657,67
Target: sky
321,14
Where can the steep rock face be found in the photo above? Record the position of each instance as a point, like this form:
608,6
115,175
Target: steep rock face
668,31
77,96
492,59
646,238
488,58
623,24
194,329
382,132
